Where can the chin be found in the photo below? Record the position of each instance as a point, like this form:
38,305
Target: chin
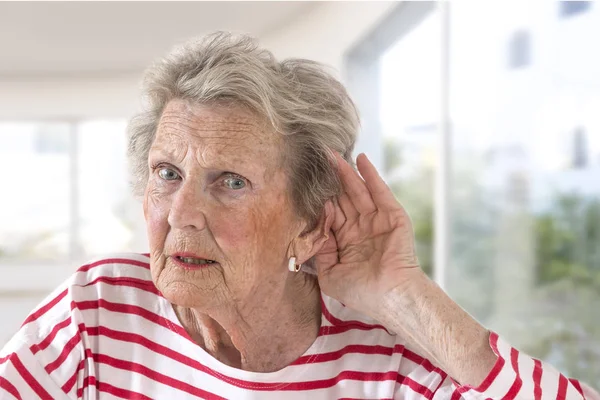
186,295
190,289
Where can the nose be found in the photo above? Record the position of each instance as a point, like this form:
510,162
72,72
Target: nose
188,207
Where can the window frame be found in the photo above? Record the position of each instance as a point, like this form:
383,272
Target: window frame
362,74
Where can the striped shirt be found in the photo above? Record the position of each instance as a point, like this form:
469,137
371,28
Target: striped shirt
108,333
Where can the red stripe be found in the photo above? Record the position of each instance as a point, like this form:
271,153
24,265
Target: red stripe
122,393
293,386
141,284
308,385
166,352
48,340
354,324
497,367
42,310
27,377
487,382
135,310
344,375
10,388
89,380
185,360
64,353
437,388
367,349
537,379
518,383
87,267
575,383
73,379
562,388
415,386
425,363
456,395
155,376
334,330
350,349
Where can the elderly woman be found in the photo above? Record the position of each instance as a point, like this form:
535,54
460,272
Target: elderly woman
275,269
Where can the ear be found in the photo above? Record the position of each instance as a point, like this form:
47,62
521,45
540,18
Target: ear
309,243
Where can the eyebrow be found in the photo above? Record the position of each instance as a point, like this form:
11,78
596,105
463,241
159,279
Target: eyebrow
217,160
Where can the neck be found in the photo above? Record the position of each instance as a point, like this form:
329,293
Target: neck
264,332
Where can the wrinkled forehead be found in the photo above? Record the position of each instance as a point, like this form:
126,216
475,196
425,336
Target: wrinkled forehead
218,131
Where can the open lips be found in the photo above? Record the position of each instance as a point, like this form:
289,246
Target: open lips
192,260
188,260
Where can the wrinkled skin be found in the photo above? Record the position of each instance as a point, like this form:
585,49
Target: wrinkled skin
217,188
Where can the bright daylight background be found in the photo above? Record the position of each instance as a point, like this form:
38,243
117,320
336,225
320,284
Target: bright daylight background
483,116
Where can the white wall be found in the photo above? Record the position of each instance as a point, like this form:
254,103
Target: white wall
68,97
324,33
328,31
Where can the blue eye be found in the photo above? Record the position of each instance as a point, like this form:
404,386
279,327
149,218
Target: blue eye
168,174
235,183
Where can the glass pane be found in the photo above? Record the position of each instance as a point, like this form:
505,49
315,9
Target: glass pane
525,95
34,205
110,218
410,92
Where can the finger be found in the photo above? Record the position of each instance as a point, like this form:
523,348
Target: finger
355,187
340,217
347,207
327,256
382,196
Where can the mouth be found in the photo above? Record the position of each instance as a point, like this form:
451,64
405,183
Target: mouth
191,261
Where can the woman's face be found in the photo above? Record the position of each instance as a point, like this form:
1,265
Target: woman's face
219,217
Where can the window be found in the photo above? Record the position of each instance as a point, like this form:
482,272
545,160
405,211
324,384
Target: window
69,196
396,86
409,96
569,8
580,149
34,219
521,154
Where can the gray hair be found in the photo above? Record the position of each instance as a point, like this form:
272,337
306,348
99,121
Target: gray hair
299,98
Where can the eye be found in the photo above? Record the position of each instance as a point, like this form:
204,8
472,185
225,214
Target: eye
235,183
168,174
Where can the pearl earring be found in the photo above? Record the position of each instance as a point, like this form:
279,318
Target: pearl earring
292,266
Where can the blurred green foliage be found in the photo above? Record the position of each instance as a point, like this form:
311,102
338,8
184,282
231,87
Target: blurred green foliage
560,321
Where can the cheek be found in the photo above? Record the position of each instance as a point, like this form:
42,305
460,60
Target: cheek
156,215
260,231
233,230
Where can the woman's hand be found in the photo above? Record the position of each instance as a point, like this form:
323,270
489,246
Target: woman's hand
370,250
369,264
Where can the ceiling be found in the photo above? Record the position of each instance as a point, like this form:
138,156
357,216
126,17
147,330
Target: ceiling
65,38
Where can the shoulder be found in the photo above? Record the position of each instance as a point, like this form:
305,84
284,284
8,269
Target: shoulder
342,323
114,267
107,294
91,283
349,329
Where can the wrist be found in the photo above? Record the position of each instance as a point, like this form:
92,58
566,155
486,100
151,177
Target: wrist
423,315
403,309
